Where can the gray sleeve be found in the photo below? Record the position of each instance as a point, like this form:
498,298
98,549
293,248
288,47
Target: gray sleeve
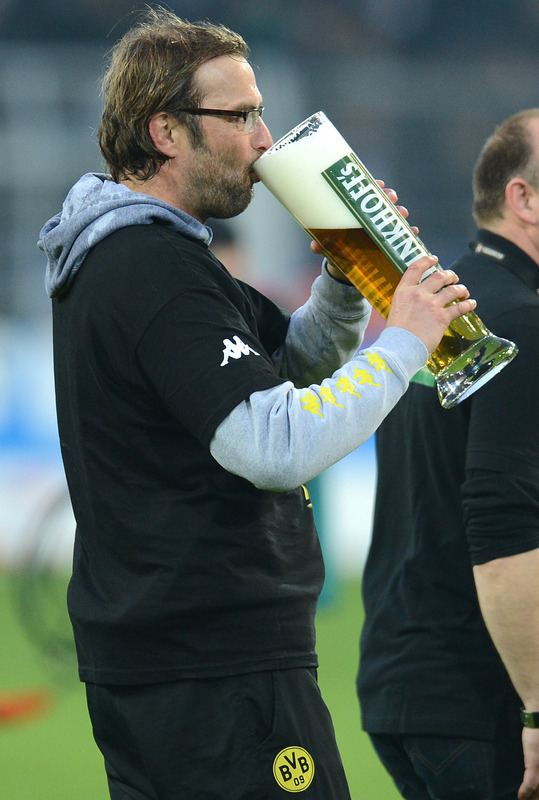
324,333
282,437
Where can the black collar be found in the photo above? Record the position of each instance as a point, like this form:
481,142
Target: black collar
500,249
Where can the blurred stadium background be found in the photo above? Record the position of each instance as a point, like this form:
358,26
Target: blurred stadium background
415,86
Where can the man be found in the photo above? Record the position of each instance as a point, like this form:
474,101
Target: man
191,411
457,500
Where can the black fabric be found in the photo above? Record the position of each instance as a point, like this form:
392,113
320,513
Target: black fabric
255,737
455,487
455,768
181,569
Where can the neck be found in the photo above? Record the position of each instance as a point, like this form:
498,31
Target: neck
525,238
164,187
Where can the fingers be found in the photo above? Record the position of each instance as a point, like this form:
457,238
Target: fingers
427,300
392,195
445,281
417,270
426,269
454,296
460,308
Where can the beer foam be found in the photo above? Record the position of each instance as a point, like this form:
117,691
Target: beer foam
292,170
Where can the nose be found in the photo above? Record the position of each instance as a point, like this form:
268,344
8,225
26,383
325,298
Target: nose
262,139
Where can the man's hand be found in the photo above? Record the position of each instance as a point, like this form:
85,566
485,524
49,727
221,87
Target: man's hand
529,789
508,594
426,308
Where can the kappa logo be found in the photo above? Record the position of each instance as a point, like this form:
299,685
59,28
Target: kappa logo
293,769
235,349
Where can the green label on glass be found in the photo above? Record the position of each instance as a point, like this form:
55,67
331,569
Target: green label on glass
376,214
425,377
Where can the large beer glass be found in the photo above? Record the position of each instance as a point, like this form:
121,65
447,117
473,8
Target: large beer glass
315,174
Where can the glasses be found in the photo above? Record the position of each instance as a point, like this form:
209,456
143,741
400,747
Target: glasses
250,118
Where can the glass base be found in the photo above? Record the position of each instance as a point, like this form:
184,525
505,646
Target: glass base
471,370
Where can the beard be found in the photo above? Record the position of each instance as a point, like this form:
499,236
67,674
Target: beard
218,186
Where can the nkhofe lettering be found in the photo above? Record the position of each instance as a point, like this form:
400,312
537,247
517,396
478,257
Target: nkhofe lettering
374,211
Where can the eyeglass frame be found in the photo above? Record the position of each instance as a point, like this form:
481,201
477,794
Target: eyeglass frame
219,112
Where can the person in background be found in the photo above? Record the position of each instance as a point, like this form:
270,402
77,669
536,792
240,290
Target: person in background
191,411
450,583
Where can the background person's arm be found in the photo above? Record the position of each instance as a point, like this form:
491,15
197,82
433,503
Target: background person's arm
508,590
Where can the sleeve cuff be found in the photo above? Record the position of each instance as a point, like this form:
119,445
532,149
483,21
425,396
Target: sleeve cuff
340,299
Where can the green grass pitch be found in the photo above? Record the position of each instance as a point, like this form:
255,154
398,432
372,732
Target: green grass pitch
46,748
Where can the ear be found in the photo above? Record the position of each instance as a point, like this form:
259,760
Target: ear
163,128
522,200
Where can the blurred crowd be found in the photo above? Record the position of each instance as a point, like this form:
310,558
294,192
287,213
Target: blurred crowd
410,27
413,85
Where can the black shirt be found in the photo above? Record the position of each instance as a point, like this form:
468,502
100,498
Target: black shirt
181,569
455,487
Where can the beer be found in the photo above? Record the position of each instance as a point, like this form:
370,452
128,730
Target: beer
324,185
362,261
364,264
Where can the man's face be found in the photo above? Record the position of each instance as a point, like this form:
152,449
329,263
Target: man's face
219,180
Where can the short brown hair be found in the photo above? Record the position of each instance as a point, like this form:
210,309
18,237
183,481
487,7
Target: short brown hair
152,69
507,154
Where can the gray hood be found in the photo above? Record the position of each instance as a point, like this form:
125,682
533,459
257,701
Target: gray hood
94,208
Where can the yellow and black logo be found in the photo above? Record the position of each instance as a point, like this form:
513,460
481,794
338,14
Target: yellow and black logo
293,769
307,496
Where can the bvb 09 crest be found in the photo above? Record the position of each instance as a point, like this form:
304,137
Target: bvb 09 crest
293,769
